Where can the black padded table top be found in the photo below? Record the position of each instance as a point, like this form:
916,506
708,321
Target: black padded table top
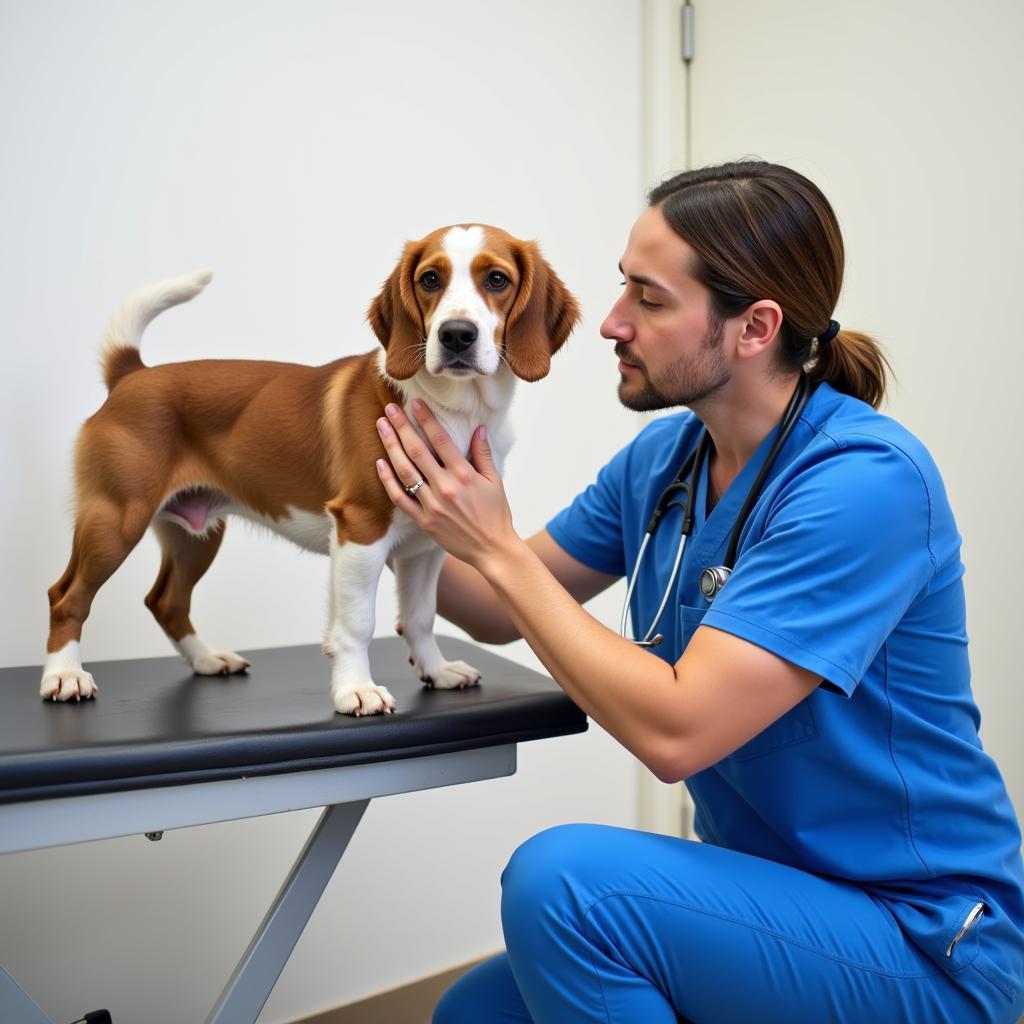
156,724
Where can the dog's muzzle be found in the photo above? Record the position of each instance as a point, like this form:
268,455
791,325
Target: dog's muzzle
458,354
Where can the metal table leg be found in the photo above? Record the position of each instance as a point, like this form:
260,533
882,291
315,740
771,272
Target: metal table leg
261,964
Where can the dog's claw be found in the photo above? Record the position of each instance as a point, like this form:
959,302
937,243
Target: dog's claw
362,700
451,675
218,663
65,685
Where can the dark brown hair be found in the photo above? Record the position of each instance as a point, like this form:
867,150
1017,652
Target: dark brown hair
761,231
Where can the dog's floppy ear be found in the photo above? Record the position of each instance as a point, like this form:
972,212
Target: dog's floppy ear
396,319
541,317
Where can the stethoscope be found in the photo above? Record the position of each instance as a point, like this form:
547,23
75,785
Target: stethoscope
714,578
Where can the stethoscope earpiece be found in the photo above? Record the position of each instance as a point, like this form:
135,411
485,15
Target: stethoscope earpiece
712,580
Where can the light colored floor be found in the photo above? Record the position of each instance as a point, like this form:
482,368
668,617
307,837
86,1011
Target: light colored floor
411,1004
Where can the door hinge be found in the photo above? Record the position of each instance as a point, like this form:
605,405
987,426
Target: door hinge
687,31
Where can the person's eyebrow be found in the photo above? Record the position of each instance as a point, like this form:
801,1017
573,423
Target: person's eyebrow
641,279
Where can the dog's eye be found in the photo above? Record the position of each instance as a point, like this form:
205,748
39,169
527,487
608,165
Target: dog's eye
430,281
496,281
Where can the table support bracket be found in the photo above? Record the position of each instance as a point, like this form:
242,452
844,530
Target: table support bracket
257,972
17,1004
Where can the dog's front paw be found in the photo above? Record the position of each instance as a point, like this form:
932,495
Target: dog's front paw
329,648
450,675
368,699
219,663
68,685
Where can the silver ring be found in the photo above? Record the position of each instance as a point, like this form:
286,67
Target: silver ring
415,487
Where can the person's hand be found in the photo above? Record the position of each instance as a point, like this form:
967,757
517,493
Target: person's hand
461,503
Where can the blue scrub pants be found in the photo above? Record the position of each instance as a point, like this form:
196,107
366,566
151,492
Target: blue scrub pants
623,927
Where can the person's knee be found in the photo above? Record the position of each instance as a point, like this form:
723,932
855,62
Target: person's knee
546,871
541,856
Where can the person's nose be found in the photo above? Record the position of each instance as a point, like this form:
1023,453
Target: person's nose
615,326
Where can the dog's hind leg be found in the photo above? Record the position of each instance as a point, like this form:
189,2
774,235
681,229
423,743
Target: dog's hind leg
186,558
104,535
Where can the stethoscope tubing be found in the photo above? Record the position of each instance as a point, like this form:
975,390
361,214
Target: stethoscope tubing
647,641
789,419
690,468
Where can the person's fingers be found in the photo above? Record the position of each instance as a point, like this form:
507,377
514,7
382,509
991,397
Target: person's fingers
416,449
440,440
483,457
408,465
396,490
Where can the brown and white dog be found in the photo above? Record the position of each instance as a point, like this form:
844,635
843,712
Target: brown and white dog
468,310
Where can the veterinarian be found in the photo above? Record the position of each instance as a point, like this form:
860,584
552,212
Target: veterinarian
860,857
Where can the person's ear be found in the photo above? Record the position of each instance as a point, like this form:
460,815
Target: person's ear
762,323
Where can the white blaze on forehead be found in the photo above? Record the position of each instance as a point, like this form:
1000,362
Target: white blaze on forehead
462,244
462,301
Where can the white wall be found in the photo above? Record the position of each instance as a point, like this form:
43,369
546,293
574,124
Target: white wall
908,117
294,148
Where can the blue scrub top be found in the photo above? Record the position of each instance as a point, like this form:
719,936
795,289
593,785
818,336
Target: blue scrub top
848,566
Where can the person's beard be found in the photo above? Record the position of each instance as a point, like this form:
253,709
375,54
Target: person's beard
687,381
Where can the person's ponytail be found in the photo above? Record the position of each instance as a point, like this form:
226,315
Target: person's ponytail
853,363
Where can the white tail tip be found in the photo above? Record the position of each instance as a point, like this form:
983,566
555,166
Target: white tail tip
133,316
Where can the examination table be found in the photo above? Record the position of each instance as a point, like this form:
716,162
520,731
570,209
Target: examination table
162,749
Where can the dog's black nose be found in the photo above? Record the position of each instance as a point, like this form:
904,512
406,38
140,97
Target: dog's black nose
457,335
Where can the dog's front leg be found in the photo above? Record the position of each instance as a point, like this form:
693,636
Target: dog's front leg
355,574
416,578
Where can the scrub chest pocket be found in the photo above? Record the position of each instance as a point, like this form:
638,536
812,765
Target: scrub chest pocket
795,726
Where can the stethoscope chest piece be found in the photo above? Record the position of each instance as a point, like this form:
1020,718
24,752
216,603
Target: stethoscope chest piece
712,580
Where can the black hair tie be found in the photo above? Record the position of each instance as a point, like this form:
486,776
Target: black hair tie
829,333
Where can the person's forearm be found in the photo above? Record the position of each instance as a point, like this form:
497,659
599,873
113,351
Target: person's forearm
632,694
465,598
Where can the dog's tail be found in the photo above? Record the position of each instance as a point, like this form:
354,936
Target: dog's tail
119,355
